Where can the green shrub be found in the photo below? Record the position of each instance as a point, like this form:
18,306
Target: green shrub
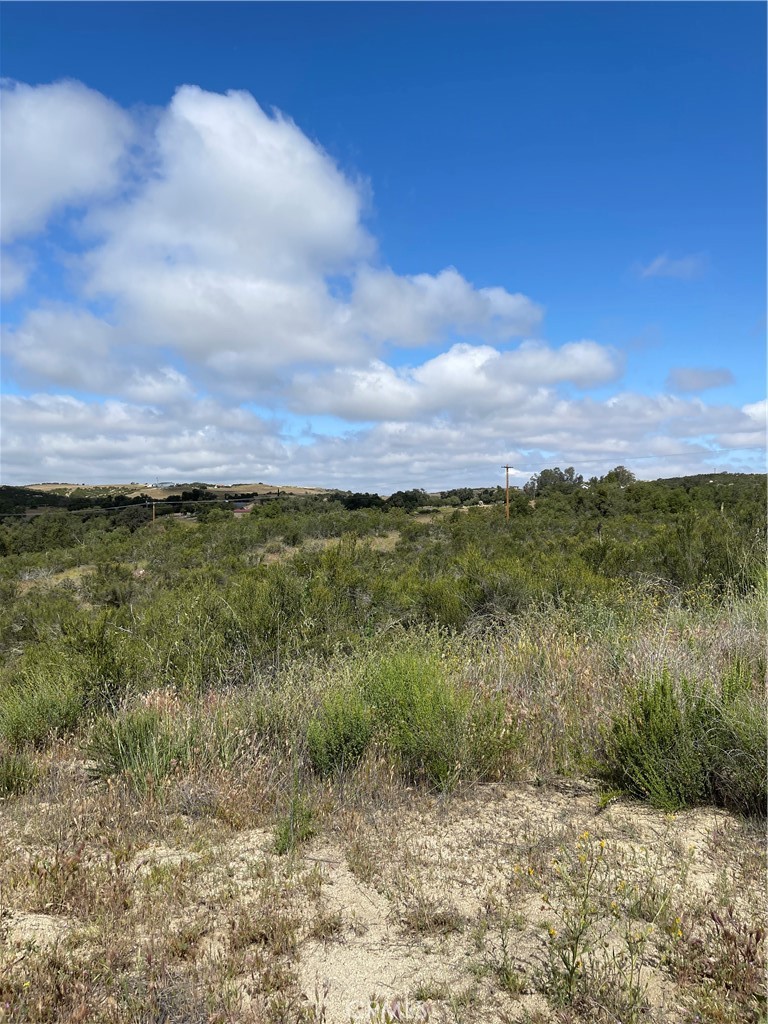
111,584
437,730
17,772
143,744
95,652
440,601
39,704
678,745
654,748
739,756
340,731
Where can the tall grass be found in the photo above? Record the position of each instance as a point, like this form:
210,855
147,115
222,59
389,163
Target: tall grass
144,744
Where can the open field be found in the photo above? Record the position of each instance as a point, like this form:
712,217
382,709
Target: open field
315,764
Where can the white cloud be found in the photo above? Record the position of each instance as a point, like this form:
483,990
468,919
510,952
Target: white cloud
691,378
165,387
423,308
229,264
465,381
59,437
62,345
233,190
757,411
685,268
61,144
228,248
14,274
224,253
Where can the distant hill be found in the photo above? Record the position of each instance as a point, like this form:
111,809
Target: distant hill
76,497
161,491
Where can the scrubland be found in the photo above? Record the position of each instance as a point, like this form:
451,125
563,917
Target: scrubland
319,764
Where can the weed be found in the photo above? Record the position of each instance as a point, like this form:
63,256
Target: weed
327,925
726,953
507,974
580,878
271,925
433,917
396,1011
296,827
18,772
587,966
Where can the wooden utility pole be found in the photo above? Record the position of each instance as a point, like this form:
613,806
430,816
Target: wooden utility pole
506,500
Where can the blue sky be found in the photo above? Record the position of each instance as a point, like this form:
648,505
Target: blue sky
473,233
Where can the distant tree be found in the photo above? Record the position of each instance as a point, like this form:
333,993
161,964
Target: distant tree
620,475
210,512
359,500
408,500
554,480
133,517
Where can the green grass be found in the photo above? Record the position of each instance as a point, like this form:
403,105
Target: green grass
295,827
143,744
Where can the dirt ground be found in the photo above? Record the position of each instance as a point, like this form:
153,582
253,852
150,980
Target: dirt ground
508,903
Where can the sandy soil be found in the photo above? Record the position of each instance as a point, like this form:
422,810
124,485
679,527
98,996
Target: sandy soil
432,909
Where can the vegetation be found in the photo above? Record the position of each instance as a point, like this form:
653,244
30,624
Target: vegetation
304,669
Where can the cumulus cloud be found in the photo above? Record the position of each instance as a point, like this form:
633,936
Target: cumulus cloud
467,380
691,378
685,268
420,309
62,144
59,437
62,437
225,251
221,262
66,346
